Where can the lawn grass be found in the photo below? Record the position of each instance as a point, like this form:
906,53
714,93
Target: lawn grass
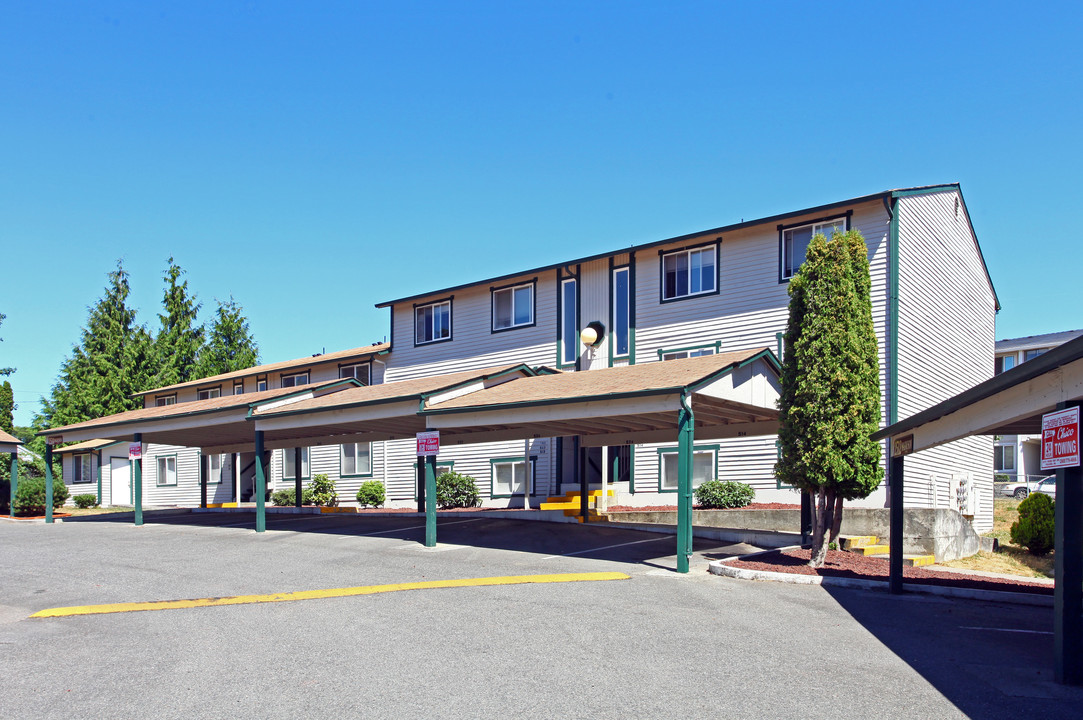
1010,559
77,512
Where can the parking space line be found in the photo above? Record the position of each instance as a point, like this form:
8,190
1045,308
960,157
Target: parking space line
321,594
607,547
416,527
1011,630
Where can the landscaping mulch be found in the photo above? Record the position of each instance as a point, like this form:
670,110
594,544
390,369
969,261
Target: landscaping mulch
36,517
840,563
673,508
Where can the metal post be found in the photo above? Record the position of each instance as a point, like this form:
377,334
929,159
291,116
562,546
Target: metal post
419,484
48,483
526,464
261,485
99,477
14,481
1068,575
584,484
203,460
686,437
895,539
298,493
430,500
137,480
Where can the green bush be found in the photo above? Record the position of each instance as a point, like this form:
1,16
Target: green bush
1034,528
723,494
323,491
85,501
455,490
30,496
371,493
285,498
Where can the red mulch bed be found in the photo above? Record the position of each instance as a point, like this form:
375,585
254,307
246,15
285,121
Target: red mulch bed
37,517
840,563
673,508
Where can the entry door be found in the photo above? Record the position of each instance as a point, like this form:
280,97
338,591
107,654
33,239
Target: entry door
120,481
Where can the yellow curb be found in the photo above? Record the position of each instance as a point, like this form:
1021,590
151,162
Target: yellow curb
222,505
320,594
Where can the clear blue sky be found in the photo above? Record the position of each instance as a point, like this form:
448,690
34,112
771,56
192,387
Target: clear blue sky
312,159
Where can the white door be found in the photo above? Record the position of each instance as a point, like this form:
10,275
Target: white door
120,481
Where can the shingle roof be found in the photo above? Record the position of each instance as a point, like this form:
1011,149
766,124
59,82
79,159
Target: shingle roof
84,446
1031,342
9,439
360,353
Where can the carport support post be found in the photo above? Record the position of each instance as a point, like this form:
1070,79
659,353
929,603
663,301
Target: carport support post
297,493
137,479
1068,574
895,534
14,481
202,481
48,484
686,436
261,485
430,500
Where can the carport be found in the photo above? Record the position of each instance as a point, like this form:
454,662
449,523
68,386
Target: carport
1011,403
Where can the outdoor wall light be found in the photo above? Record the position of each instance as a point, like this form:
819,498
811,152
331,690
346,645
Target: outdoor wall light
593,334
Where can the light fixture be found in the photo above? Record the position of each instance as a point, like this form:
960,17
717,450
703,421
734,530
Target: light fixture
593,334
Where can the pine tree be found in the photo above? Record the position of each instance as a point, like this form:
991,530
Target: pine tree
230,345
180,340
7,408
830,398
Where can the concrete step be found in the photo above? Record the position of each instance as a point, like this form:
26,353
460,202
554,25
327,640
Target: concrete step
871,550
857,541
912,560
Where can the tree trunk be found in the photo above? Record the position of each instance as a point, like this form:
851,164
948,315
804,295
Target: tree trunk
823,513
836,521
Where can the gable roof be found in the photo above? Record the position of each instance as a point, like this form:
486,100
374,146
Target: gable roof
1033,342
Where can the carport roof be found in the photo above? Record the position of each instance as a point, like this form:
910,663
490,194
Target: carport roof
86,446
9,443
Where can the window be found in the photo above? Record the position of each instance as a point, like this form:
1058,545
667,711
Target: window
689,272
513,307
213,465
163,400
167,471
208,393
621,311
361,372
1003,364
569,321
690,352
82,468
1031,354
356,459
1004,457
295,380
432,323
509,476
238,387
289,471
795,242
703,467
261,384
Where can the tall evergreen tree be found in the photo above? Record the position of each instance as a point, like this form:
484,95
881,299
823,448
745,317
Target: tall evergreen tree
7,408
830,399
180,340
230,345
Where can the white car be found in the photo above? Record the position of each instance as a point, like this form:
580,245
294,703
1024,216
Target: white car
1020,490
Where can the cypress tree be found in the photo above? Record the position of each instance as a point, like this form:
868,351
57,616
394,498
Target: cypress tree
230,345
7,409
830,398
180,339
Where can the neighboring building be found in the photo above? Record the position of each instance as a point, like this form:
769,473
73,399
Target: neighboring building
719,290
1018,457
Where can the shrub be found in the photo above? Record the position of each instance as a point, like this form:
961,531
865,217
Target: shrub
285,498
30,496
371,493
455,490
724,494
85,501
323,491
1034,528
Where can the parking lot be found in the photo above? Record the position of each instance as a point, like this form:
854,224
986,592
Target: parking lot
656,644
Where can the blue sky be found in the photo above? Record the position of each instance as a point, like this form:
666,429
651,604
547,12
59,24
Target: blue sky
313,159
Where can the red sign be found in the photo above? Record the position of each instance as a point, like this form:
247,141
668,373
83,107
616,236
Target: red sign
135,451
1060,439
428,443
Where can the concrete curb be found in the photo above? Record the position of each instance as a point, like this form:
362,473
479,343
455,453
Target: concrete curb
720,567
128,515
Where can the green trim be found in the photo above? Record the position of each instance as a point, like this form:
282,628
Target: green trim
766,355
157,470
533,479
778,344
342,474
893,313
450,464
717,345
715,448
455,386
302,389
632,308
613,312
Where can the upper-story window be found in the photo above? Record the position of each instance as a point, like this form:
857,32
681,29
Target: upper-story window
795,241
208,393
688,352
432,322
295,380
360,371
261,383
163,400
1031,354
238,387
569,321
622,304
1004,363
691,272
513,307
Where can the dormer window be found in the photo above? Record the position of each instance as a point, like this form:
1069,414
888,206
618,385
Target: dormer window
295,380
208,393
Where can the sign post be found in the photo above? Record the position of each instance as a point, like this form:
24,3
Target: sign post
1060,452
428,447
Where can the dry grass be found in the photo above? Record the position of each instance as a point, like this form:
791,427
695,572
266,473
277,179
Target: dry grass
78,512
1010,559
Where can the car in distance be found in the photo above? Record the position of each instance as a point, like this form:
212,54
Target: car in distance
1019,490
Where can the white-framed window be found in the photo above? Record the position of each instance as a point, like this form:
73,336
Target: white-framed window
1004,458
164,400
509,476
167,471
208,393
360,371
432,322
622,307
687,353
355,459
289,469
513,307
691,272
1031,354
213,469
295,380
82,468
795,242
704,464
569,315
261,384
238,387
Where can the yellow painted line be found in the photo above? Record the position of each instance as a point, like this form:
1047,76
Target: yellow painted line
322,594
